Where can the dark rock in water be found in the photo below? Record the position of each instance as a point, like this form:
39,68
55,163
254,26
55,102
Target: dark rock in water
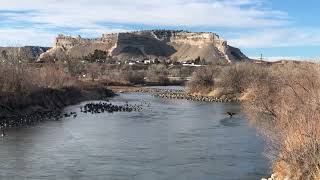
101,107
29,119
181,94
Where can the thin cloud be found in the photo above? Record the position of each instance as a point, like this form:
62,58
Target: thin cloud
84,13
278,37
21,37
40,20
315,59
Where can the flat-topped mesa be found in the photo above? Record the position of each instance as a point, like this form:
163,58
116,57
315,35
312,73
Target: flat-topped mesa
180,45
192,38
66,41
200,39
69,42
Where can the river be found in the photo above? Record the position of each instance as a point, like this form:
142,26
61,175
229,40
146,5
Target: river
167,140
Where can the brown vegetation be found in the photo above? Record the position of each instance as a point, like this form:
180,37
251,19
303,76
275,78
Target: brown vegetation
17,78
34,88
283,101
158,73
203,80
125,74
285,107
123,78
239,77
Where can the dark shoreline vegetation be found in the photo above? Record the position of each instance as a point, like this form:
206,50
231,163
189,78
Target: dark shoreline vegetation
45,104
30,93
281,99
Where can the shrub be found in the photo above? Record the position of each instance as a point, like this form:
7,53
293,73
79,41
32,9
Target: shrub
132,77
15,77
203,80
53,76
238,77
75,66
285,108
97,56
123,77
23,78
181,71
158,73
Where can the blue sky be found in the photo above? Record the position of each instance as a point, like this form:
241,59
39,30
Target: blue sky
276,28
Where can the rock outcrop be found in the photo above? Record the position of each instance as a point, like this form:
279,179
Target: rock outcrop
26,53
179,45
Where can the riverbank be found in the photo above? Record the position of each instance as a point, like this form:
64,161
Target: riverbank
17,109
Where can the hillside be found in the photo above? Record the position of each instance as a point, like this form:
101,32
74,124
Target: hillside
26,53
179,45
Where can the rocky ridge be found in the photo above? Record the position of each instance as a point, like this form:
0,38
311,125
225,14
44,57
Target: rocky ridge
179,45
25,53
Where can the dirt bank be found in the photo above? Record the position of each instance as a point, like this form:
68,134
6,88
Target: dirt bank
14,106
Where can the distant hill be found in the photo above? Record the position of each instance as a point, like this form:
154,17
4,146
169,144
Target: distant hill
26,53
178,45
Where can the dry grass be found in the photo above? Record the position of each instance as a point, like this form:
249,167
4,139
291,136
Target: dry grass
238,78
203,80
123,78
54,76
132,77
285,108
157,73
15,78
22,78
235,79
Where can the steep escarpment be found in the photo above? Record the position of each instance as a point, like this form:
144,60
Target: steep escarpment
75,47
179,45
143,41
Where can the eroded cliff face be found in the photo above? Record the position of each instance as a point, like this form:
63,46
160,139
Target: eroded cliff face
178,45
76,47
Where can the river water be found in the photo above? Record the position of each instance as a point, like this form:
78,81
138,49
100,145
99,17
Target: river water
168,140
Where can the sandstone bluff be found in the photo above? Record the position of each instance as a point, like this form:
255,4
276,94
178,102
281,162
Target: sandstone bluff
178,45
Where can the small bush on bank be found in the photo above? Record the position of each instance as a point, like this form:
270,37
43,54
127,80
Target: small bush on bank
16,78
122,76
132,77
239,77
234,79
158,73
53,76
203,80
